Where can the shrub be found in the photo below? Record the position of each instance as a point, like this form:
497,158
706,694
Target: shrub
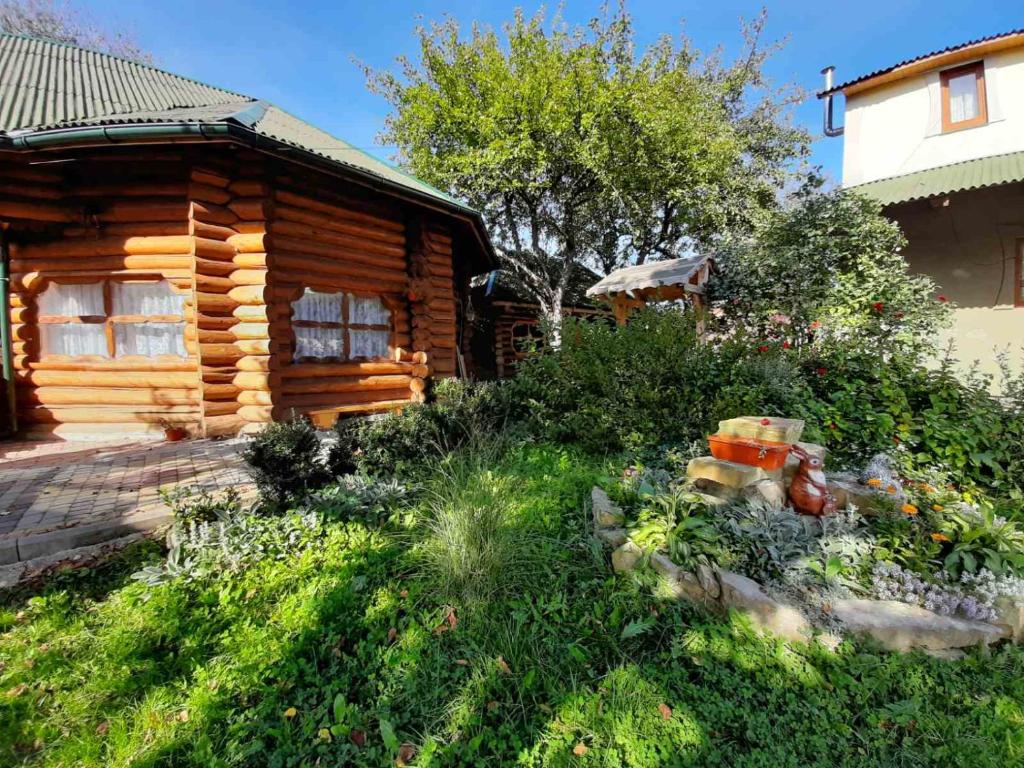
190,506
461,411
285,460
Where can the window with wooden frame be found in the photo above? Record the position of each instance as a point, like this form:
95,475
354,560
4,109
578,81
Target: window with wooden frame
964,102
341,326
112,319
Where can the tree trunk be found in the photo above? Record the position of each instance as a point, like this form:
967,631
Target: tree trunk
551,312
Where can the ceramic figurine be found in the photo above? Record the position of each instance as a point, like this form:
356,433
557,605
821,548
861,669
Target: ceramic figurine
808,492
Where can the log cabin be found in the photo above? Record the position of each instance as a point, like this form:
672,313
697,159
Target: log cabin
182,255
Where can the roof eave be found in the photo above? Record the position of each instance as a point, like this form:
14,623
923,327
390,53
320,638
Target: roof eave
197,132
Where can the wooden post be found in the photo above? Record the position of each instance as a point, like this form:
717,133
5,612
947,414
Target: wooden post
700,313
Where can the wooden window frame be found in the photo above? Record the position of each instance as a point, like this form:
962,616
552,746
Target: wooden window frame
345,326
108,319
978,69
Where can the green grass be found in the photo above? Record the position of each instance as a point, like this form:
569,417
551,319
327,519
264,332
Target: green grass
549,652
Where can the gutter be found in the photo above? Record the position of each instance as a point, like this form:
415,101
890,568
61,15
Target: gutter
829,95
173,132
6,342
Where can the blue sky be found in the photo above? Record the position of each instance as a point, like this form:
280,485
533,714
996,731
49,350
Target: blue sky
300,54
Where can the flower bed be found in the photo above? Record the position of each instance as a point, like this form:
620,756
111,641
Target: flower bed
924,565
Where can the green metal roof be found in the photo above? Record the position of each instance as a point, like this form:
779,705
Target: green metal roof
47,86
956,177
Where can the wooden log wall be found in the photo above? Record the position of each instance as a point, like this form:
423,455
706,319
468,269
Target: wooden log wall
432,296
329,243
87,226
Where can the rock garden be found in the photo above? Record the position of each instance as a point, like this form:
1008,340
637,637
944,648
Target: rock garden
761,527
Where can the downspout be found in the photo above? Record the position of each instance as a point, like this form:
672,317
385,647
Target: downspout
6,345
830,129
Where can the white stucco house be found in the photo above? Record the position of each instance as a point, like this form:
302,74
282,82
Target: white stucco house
939,140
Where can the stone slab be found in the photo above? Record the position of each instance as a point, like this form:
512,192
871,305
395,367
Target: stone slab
901,627
1010,616
626,557
728,473
772,492
8,551
613,537
607,514
51,542
766,613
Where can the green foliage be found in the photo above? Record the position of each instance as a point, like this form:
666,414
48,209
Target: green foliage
826,272
190,506
983,539
650,381
579,147
678,523
332,653
285,460
458,413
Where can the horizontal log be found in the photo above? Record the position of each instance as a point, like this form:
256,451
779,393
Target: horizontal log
223,426
220,407
144,210
337,253
251,330
336,275
394,248
253,312
219,354
249,208
255,397
300,201
107,246
250,260
174,414
255,363
97,376
212,214
357,384
320,222
129,229
207,336
210,230
255,242
249,277
307,370
250,294
207,193
37,211
343,398
214,267
121,188
256,412
210,178
256,346
209,248
218,374
210,303
85,395
249,188
213,283
212,391
420,371
417,385
266,382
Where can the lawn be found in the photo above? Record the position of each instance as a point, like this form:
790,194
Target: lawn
422,642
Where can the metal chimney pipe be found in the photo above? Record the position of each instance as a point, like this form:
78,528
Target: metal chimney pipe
830,129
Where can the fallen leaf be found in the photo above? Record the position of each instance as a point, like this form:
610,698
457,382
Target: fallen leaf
183,716
44,647
290,713
17,690
491,706
666,711
392,634
580,749
102,728
30,663
403,594
406,753
213,685
20,616
357,737
337,653
448,623
503,665
462,662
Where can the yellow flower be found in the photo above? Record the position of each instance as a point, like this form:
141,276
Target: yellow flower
891,489
940,537
290,713
909,509
927,488
937,507
324,734
874,482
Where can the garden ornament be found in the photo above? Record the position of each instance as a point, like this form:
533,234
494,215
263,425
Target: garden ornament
808,492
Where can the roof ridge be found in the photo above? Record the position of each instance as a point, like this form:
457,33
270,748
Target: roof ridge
115,57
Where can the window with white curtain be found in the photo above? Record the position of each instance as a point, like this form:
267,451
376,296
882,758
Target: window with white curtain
340,326
963,97
112,319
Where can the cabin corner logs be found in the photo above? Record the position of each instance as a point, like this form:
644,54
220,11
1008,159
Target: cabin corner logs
240,242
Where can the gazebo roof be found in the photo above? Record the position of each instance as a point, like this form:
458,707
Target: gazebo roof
685,275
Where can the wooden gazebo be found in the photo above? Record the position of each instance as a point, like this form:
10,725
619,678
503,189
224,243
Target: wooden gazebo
631,287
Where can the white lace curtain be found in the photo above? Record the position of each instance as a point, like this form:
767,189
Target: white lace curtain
963,97
79,320
326,342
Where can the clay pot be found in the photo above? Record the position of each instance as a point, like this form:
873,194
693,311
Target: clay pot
175,434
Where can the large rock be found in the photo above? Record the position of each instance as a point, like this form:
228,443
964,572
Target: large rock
1010,616
607,514
613,537
847,490
683,584
767,614
773,492
901,627
728,473
626,557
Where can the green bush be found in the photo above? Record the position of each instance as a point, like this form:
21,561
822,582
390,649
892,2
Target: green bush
650,381
459,412
285,460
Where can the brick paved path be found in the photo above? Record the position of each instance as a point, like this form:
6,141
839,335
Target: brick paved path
57,486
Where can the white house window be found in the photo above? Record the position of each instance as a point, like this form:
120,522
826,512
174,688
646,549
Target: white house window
112,319
963,97
340,326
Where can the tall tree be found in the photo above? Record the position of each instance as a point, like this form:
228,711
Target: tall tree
60,21
577,150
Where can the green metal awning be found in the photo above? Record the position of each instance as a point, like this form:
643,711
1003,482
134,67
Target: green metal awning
956,177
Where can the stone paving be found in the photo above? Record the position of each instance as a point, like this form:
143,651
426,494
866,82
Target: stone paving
79,492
